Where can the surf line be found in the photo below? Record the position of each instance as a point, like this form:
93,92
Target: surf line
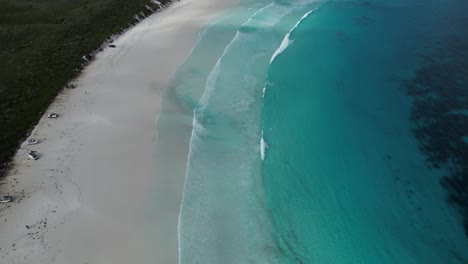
286,40
283,46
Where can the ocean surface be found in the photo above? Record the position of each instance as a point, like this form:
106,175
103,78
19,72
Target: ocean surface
324,132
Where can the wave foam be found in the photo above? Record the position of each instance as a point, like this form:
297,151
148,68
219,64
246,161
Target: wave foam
286,40
263,146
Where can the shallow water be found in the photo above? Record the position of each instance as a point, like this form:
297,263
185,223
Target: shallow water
308,142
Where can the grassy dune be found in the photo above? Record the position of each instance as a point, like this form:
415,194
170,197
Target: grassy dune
41,47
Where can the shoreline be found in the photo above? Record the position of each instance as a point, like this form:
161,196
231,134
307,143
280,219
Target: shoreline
86,198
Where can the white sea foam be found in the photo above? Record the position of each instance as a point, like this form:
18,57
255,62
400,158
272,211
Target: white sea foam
283,46
263,146
213,76
197,128
286,40
203,196
257,12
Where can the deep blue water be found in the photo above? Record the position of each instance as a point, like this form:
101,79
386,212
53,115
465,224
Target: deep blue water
327,132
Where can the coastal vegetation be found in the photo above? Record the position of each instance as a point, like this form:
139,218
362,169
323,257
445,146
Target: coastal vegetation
42,44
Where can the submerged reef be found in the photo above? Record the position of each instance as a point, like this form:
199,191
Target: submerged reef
440,113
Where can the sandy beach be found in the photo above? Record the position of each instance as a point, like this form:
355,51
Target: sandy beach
85,200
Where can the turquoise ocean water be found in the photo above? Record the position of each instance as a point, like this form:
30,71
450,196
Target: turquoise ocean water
325,132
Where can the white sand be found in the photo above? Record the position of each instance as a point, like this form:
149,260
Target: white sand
87,199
